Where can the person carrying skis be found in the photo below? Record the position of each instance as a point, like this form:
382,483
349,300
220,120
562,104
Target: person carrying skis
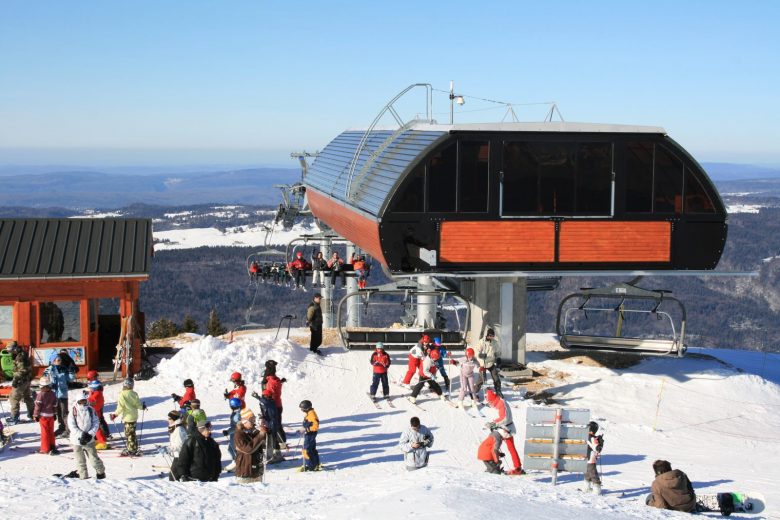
671,489
177,437
249,450
189,395
269,415
127,406
59,376
427,375
595,444
487,355
314,321
239,389
489,452
83,424
44,412
468,368
416,354
505,427
414,443
200,457
96,401
235,418
309,430
20,383
443,354
380,361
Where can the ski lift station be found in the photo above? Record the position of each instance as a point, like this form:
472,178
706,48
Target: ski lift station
487,210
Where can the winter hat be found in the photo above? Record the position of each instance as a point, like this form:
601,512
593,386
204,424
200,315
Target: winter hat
490,332
94,385
299,254
469,352
203,424
174,415
380,345
247,415
490,395
318,295
593,427
437,341
92,375
44,381
129,383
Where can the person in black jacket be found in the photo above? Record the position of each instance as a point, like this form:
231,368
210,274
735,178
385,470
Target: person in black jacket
314,321
200,458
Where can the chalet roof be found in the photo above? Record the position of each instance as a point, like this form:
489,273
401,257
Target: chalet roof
75,248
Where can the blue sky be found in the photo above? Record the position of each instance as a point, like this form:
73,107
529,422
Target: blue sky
246,82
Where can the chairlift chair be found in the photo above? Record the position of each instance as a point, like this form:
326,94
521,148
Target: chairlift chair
591,304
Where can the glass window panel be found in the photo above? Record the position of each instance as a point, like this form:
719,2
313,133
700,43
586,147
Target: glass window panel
638,177
441,180
473,176
594,178
520,180
60,322
668,177
556,177
410,198
696,199
6,321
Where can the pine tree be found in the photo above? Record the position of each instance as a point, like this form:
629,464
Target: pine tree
163,328
189,324
214,326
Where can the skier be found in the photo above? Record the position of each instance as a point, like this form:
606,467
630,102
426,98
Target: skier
239,388
249,450
178,436
415,442
59,376
20,382
489,452
92,375
489,361
595,444
380,361
200,457
671,489
274,387
83,424
505,427
443,353
468,368
44,413
309,430
270,368
416,354
318,265
235,418
427,375
96,401
127,406
269,416
189,395
193,416
314,321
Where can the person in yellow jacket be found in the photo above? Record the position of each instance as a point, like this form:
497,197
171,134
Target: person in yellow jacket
127,406
311,425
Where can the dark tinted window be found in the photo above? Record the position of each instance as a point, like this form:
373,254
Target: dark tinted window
594,178
696,199
520,180
638,176
411,196
556,177
441,180
473,176
668,175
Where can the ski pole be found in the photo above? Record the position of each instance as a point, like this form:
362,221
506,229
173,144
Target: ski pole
113,421
265,458
141,435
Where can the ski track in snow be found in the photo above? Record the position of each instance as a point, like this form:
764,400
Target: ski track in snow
717,421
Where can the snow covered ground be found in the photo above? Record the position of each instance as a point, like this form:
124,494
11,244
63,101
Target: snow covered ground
240,236
716,418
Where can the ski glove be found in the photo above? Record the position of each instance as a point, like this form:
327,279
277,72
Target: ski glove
225,432
176,397
85,438
226,393
256,395
36,418
143,406
283,380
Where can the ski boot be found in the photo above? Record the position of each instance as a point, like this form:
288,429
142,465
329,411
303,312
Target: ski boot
14,419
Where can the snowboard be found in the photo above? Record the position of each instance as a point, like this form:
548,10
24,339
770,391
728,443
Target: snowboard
727,503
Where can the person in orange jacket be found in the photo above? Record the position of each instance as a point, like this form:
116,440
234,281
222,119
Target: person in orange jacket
489,453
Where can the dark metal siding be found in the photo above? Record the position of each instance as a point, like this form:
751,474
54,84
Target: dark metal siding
52,248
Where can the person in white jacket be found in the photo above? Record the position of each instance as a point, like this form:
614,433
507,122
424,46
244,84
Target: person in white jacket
83,424
415,443
178,436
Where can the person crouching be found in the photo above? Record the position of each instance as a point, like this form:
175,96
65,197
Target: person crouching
200,457
415,442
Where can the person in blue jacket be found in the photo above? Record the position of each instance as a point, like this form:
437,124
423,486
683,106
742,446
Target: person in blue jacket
60,376
443,354
235,417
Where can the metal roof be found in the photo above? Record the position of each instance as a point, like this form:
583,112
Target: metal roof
543,126
75,248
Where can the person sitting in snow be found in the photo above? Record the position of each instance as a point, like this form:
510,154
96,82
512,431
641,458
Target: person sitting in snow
235,418
489,452
239,389
427,375
177,437
595,443
380,361
415,442
189,395
127,406
671,489
504,425
309,430
416,354
200,457
468,370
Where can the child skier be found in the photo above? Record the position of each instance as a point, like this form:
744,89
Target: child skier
235,418
443,354
189,395
427,375
416,354
468,370
269,416
595,444
274,385
127,407
239,388
93,375
311,425
505,427
44,412
380,361
83,424
95,399
489,453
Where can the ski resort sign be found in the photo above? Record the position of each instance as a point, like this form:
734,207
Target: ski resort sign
556,439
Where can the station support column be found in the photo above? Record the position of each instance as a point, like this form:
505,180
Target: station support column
353,305
500,304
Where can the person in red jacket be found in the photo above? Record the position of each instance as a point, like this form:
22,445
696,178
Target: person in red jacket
96,401
416,355
489,453
380,361
189,395
239,389
44,413
93,375
504,425
273,385
298,269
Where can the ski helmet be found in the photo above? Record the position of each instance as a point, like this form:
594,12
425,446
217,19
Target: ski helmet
235,403
129,383
490,395
235,376
434,354
188,383
305,405
593,427
299,254
92,375
425,339
437,341
380,345
469,352
94,385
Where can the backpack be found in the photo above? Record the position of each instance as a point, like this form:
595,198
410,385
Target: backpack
599,443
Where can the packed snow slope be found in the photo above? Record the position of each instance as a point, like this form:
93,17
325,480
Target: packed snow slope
714,416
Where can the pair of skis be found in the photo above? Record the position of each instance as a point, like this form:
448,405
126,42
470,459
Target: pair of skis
375,401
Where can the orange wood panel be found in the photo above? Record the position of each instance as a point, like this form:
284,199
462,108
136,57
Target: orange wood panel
615,241
491,241
351,225
54,288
